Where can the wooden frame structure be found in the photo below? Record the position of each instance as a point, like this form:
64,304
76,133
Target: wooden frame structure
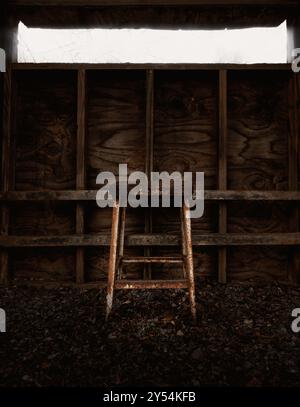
222,239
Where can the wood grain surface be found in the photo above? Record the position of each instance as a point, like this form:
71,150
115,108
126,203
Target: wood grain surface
185,137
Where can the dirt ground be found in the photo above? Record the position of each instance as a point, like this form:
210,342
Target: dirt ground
58,337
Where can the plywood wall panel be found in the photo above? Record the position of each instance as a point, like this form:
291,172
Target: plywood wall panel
98,220
45,130
258,217
116,115
257,264
116,122
44,264
258,134
185,117
258,122
42,218
44,134
185,139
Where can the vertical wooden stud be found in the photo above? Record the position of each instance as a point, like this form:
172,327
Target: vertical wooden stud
222,176
6,173
293,168
80,168
149,155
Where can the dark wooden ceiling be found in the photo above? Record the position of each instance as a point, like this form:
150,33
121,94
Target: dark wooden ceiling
149,2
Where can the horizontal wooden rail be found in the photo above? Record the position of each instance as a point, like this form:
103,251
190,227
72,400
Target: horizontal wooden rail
209,195
120,284
149,284
211,239
60,284
91,284
126,66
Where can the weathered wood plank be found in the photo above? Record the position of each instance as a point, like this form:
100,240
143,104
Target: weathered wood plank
209,195
222,145
222,170
128,66
59,284
293,169
81,129
131,284
150,284
80,167
149,155
6,172
7,136
149,120
149,2
211,239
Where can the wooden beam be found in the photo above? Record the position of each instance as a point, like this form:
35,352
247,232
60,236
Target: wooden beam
149,120
149,155
6,141
151,2
6,172
59,284
100,284
119,285
209,195
210,239
176,66
293,168
222,171
80,168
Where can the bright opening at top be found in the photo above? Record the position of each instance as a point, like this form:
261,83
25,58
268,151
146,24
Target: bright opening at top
247,45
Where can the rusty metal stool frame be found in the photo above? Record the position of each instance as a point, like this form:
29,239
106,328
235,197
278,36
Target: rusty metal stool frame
117,259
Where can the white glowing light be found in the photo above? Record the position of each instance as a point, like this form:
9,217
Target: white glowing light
247,45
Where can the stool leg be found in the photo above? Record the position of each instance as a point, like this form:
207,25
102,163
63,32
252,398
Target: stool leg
112,258
189,258
183,243
121,246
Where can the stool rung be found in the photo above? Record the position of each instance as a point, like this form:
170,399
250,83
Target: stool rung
150,284
151,259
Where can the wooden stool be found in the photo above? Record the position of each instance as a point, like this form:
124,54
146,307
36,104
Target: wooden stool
117,259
